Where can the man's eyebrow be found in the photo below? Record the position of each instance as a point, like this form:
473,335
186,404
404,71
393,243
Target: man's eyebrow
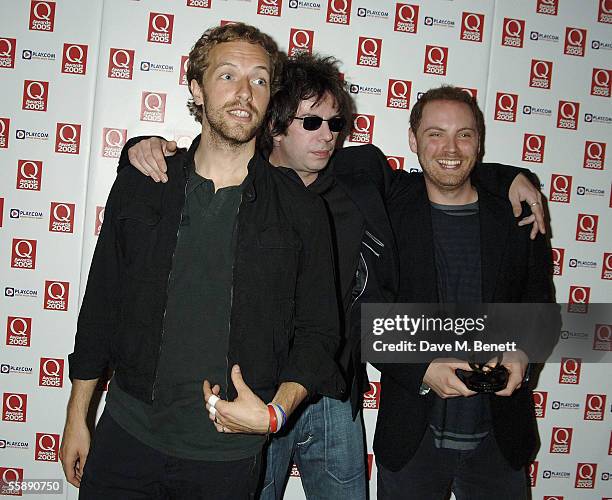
227,63
434,127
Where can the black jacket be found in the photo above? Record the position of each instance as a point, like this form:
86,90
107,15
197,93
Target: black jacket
514,269
284,318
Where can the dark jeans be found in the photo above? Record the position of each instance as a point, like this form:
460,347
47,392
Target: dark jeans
480,474
119,466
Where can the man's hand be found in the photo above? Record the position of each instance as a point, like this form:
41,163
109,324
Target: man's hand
74,450
246,414
521,190
148,157
441,377
516,363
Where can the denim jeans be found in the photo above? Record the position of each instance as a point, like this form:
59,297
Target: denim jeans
432,473
327,446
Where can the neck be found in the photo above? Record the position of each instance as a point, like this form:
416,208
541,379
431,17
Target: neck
223,162
461,195
307,177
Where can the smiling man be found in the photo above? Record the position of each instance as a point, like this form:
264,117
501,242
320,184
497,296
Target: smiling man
224,274
457,244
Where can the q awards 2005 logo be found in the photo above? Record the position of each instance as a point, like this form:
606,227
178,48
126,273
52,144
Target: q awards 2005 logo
558,255
74,59
56,295
567,115
561,440
472,27
35,95
29,175
602,339
600,82
594,155
585,476
436,60
14,407
18,331
549,7
68,138
152,107
339,11
300,42
362,129
575,41
51,372
396,162
42,15
61,217
160,27
121,64
371,399
23,254
569,371
7,52
5,129
541,74
606,267
578,301
398,94
113,140
533,148
539,403
594,407
513,32
560,188
506,106
269,7
99,220
369,51
47,447
406,18
586,228
605,12
9,475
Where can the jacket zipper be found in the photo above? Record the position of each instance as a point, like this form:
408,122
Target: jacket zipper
161,340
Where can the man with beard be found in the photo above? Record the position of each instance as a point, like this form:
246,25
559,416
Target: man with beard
224,274
305,118
459,244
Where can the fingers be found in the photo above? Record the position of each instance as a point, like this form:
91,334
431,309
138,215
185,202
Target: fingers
148,157
72,471
206,389
238,381
515,201
170,149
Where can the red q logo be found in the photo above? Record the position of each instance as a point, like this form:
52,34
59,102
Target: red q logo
569,372
153,102
533,473
269,7
121,64
339,11
398,94
183,72
61,217
9,475
602,340
513,32
113,140
42,15
548,7
533,148
472,27
18,331
600,83
369,51
586,228
436,59
362,129
35,95
29,174
56,295
575,42
99,220
605,12
578,299
558,255
539,402
5,124
51,372
47,447
585,476
14,407
506,106
160,27
67,138
540,76
7,52
567,115
560,188
74,59
152,107
594,155
606,267
561,440
568,110
396,162
24,254
406,18
300,41
371,399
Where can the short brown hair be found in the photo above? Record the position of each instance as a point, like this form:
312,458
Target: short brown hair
198,57
450,93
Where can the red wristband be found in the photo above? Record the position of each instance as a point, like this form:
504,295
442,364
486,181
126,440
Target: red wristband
273,419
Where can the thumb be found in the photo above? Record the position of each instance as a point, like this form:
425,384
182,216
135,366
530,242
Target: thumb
238,381
171,146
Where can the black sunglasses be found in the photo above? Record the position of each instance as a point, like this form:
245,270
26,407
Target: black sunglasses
336,124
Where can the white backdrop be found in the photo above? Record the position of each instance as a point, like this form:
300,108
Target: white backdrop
77,78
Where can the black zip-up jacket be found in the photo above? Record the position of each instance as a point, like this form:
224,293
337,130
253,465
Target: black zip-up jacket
284,317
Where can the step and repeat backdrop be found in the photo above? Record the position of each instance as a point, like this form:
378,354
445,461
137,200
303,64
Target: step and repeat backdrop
78,78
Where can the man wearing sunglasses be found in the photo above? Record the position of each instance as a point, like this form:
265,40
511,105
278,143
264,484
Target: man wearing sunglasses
305,118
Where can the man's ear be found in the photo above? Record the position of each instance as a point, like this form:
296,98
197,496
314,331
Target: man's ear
196,92
412,141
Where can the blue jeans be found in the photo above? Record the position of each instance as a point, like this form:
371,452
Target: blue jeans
327,446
